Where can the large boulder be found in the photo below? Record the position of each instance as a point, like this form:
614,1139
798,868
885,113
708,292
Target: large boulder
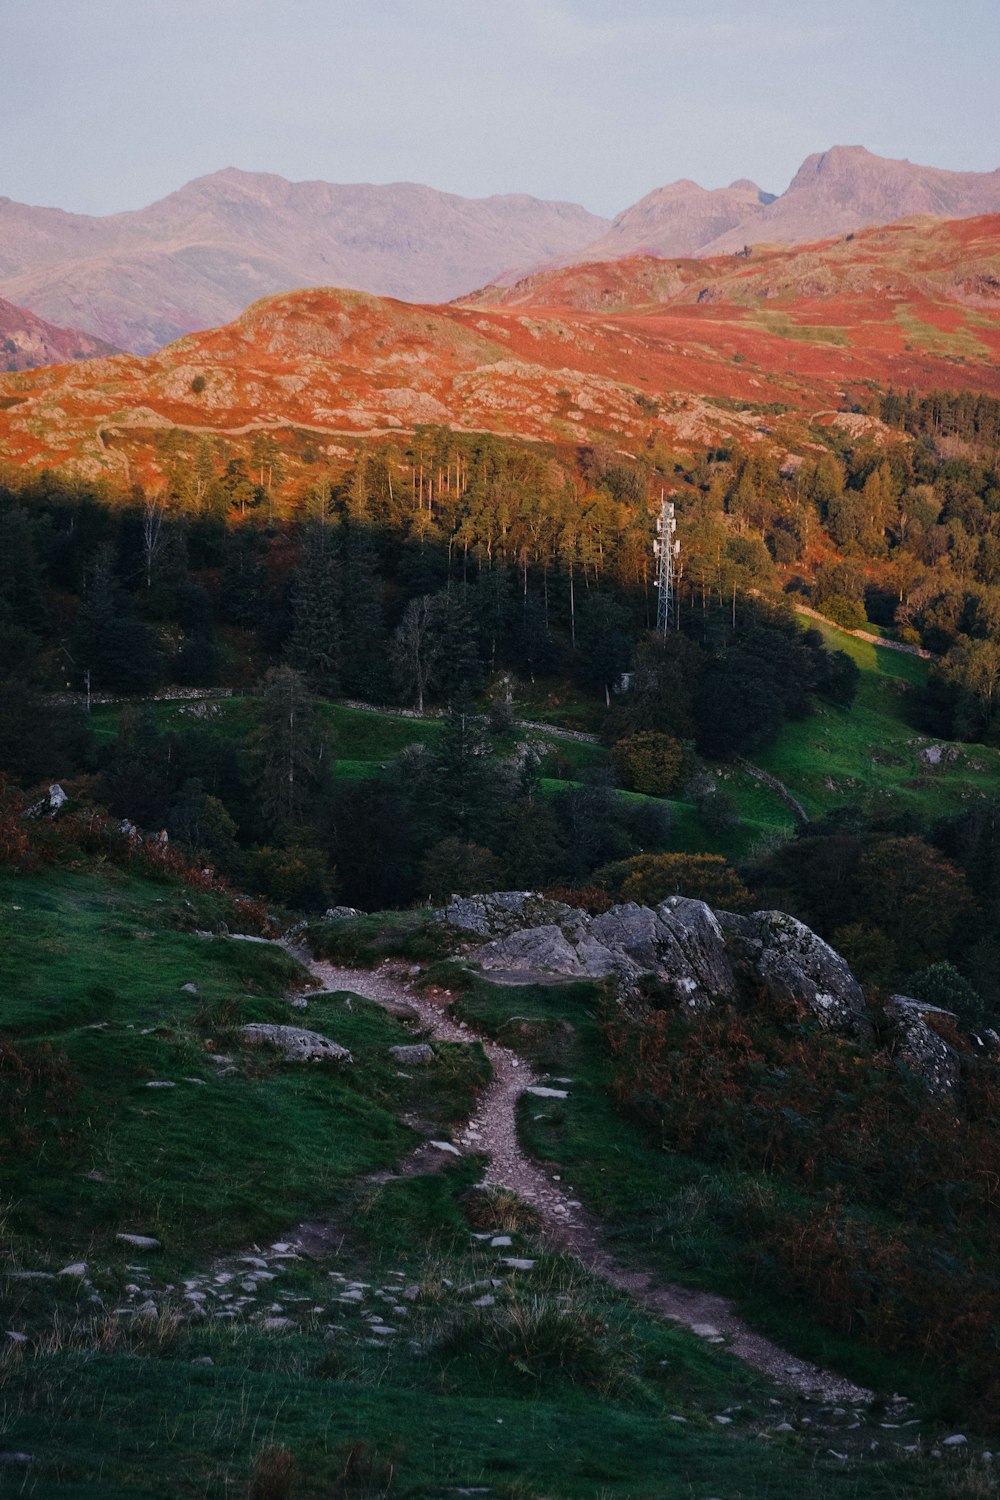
680,942
698,954
920,1046
798,969
294,1043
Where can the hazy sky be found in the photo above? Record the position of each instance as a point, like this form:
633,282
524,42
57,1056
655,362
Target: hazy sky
109,104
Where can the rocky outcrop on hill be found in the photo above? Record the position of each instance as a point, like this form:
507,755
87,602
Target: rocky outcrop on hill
681,944
797,968
682,952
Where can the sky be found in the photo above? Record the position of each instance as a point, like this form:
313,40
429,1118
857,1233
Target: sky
111,104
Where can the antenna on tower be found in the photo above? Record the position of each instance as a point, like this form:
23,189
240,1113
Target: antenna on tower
666,550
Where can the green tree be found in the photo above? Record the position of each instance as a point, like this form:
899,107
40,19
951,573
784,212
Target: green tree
316,643
417,647
289,747
453,867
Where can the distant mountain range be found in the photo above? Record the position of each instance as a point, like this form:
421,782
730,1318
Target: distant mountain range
27,341
833,192
196,258
199,256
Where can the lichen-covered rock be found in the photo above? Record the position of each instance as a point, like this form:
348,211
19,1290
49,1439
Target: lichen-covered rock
798,968
920,1046
294,1043
680,942
548,949
695,945
503,912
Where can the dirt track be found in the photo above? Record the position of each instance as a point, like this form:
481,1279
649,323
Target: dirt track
492,1131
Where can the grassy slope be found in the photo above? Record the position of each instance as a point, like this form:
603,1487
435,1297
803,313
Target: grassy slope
116,1408
863,754
870,752
93,964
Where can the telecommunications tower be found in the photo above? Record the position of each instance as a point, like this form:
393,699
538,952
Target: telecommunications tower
666,549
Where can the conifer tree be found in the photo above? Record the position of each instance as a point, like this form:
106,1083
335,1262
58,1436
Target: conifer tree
315,647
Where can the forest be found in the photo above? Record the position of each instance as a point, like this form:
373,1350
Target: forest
474,579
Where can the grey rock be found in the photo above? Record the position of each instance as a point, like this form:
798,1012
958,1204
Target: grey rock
17,1458
571,952
696,950
15,1337
956,1440
78,1268
340,913
418,1054
798,968
920,1047
504,912
445,1146
30,1276
203,1359
276,1325
541,1092
294,1043
189,989
516,1263
139,1241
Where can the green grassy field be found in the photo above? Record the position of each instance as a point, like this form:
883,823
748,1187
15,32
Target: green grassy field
92,967
870,754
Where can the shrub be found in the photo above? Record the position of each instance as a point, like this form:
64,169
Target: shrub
848,613
719,811
273,1475
499,1210
649,762
456,868
651,878
536,1341
941,984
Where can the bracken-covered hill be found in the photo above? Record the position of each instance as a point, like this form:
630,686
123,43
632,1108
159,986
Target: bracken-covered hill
687,351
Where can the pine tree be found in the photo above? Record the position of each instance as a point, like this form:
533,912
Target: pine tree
364,672
316,643
289,749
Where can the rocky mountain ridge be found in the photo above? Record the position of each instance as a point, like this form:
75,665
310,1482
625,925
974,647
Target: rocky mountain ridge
834,192
200,255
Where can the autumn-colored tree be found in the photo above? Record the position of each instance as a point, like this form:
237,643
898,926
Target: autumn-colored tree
649,762
651,878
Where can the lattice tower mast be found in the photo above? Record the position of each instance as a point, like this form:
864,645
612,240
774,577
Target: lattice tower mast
666,550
